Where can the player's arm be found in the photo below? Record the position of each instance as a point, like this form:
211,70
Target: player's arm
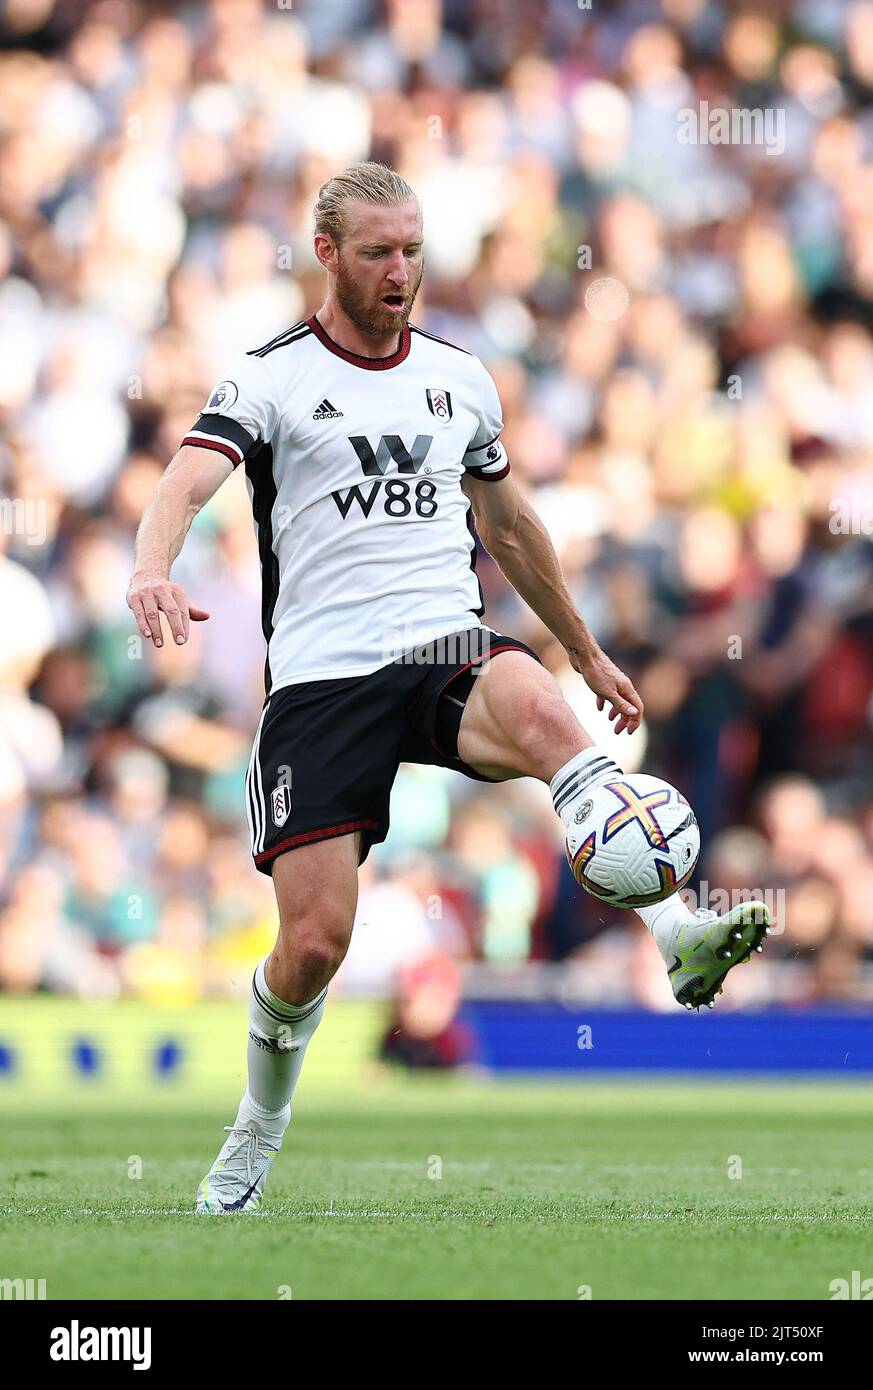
240,414
512,532
190,480
515,536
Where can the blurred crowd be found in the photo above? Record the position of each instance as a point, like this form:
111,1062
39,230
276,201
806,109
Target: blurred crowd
680,330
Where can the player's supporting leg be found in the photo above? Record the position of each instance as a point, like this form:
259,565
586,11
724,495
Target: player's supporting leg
316,891
517,723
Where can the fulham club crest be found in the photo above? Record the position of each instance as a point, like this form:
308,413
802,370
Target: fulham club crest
439,403
280,803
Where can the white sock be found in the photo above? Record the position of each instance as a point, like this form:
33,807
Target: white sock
662,919
279,1034
584,771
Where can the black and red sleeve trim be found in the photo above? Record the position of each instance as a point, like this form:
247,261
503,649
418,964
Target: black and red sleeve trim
481,474
490,470
224,435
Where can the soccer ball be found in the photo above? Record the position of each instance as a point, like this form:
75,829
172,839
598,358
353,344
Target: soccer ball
633,841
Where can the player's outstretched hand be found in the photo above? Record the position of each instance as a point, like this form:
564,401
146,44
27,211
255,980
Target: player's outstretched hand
612,687
149,597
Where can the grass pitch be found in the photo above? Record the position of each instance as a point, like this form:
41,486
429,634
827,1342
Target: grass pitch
459,1189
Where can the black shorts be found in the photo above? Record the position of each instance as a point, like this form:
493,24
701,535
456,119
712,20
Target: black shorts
326,752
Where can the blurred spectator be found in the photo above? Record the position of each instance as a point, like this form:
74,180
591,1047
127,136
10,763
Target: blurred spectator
424,1029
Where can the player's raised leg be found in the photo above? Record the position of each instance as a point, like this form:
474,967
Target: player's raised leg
517,723
316,890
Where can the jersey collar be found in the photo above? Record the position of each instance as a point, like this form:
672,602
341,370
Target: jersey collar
369,364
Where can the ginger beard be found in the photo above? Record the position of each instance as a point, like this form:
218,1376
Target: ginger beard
366,309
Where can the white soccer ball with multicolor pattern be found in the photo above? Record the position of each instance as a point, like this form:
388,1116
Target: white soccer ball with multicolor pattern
633,841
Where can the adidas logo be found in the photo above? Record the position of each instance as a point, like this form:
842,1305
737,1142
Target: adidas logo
326,412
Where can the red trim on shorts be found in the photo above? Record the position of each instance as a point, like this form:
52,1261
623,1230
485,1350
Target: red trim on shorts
495,651
327,832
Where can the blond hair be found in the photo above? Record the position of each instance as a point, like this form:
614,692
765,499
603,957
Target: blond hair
365,182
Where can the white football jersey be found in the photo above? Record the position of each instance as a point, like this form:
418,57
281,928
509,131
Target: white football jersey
354,468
